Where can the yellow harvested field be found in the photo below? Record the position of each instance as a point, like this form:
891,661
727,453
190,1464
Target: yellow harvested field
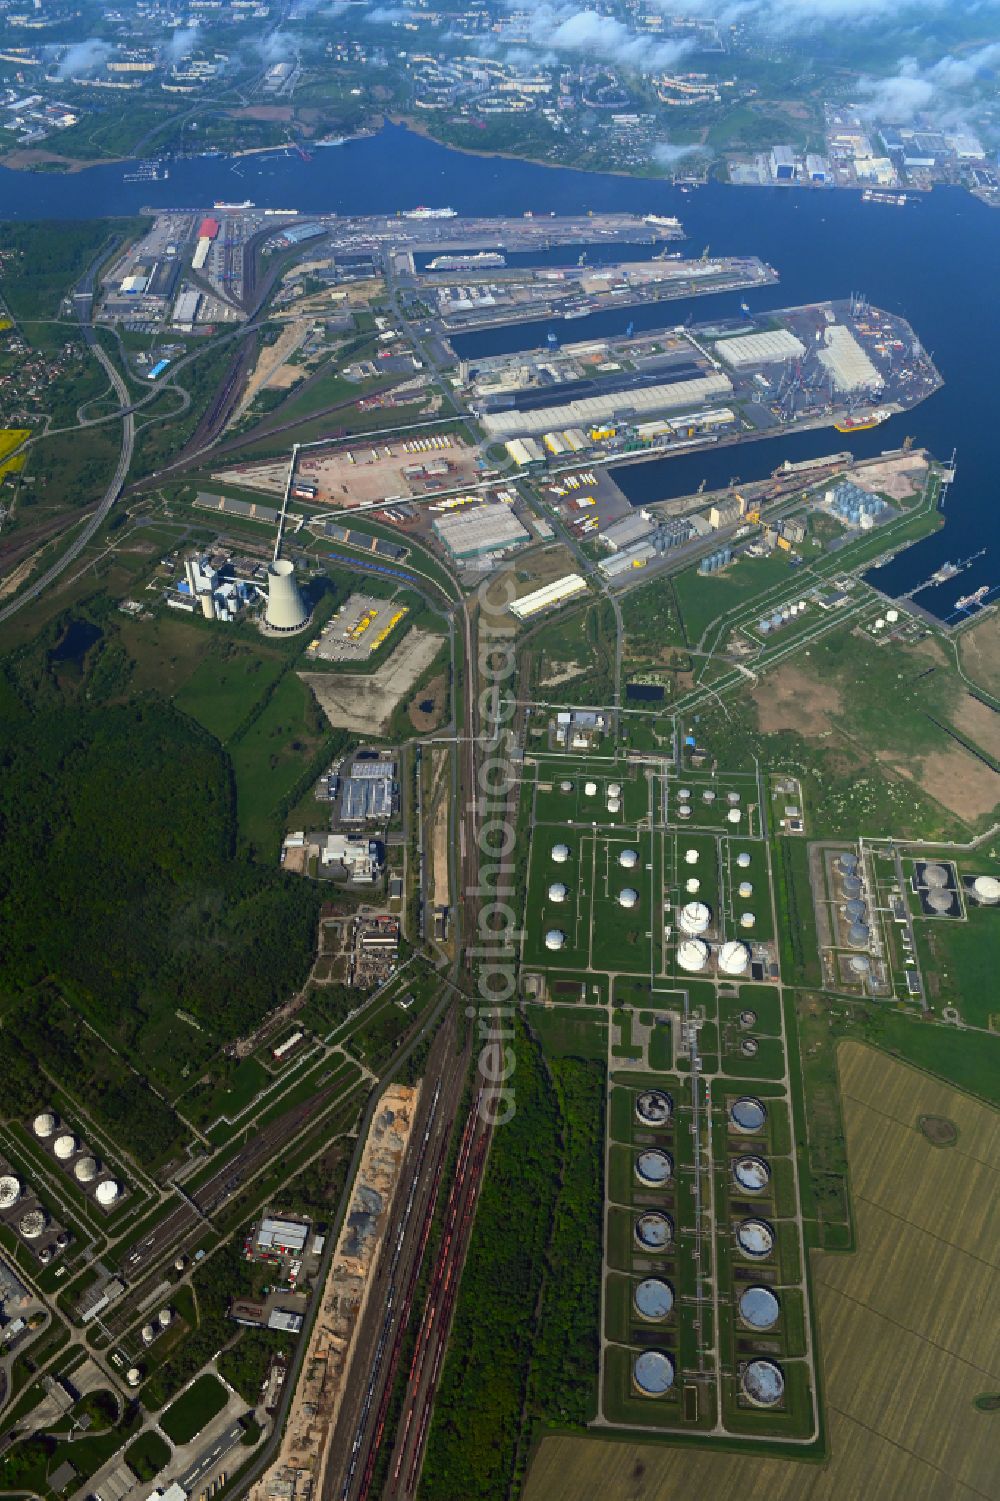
907,1326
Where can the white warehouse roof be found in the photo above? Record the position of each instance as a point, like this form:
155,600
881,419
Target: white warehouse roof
480,529
549,594
847,362
595,409
760,349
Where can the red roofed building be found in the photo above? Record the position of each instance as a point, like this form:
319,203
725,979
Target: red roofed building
209,229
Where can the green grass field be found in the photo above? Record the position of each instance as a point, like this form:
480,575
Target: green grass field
270,757
186,1416
223,689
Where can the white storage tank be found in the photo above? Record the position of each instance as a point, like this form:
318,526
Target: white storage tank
692,955
694,918
734,957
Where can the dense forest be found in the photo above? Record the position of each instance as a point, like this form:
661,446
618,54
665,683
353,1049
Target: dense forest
120,889
524,1346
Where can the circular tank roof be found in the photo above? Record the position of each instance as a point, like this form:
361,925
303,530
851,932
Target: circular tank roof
694,918
133,1375
852,886
557,892
755,1238
614,789
734,815
614,804
590,789
654,1107
565,786
734,957
859,934
745,888
684,810
848,860
759,1307
628,859
987,888
859,964
10,1190
690,857
653,1372
747,919
732,797
752,1174
628,897
748,1114
108,1192
935,875
940,900
85,1171
653,1298
692,954
856,908
554,939
692,885
44,1124
32,1224
743,860
560,853
708,796
749,1047
684,793
64,1146
654,1231
763,1383
653,1167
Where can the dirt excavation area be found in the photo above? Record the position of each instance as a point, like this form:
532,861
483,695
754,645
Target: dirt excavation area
364,701
789,699
299,1470
898,478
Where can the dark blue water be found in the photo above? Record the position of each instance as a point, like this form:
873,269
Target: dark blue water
935,263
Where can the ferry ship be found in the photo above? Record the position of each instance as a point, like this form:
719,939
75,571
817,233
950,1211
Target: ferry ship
234,208
662,221
430,213
861,424
479,260
975,598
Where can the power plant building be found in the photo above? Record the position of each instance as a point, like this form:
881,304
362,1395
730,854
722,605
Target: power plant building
480,530
286,610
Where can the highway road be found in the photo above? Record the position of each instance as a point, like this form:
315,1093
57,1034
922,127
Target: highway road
82,302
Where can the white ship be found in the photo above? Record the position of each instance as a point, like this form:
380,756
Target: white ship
430,213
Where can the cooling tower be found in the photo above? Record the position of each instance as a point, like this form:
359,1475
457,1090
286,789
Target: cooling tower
286,609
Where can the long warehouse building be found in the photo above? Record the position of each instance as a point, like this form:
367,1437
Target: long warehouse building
768,348
549,595
593,410
481,529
